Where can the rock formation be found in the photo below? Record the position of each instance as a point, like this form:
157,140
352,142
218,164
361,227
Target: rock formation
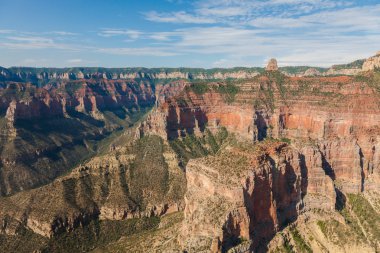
272,65
10,117
372,63
312,72
264,164
251,195
99,189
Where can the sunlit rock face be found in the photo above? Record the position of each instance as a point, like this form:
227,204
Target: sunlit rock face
272,65
296,147
372,63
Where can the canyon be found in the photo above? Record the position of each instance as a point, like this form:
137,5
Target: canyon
258,160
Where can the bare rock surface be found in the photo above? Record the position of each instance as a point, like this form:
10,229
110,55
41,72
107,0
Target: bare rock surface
272,65
372,63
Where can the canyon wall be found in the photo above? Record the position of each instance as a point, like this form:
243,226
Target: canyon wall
45,131
331,123
293,146
116,186
249,195
84,96
337,114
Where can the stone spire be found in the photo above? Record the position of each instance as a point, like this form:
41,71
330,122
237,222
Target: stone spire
272,65
10,116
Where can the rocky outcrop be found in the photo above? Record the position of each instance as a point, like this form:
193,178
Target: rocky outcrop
10,117
155,124
318,189
86,97
337,113
295,146
47,130
249,195
104,188
372,63
345,71
272,65
312,72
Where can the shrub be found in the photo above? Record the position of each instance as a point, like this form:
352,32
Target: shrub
199,88
229,91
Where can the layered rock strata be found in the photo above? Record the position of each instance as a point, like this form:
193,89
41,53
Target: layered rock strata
250,195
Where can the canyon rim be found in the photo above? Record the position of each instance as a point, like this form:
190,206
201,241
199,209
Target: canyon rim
189,126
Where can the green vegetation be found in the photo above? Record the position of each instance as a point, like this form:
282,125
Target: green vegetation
71,88
323,227
362,223
266,93
372,79
98,233
301,245
353,65
199,88
148,171
271,139
61,143
161,239
366,215
300,69
287,247
286,140
192,146
83,239
24,242
229,91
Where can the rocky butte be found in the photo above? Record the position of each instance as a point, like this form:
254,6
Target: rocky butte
272,162
272,65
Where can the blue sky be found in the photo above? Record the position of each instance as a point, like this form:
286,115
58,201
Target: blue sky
181,33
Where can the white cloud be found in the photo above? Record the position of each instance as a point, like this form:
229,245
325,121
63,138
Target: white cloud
222,11
132,34
34,42
178,17
31,39
4,31
242,11
74,60
227,33
63,33
277,22
139,51
327,36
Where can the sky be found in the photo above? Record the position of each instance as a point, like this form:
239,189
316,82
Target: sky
182,33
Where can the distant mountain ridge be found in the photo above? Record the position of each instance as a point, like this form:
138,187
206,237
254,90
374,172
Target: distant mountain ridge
44,75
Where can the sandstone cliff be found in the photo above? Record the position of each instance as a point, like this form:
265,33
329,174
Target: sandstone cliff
372,63
331,123
46,131
268,163
250,193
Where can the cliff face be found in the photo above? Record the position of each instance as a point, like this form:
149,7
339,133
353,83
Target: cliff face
331,123
337,113
46,131
245,159
82,96
372,63
115,186
250,194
